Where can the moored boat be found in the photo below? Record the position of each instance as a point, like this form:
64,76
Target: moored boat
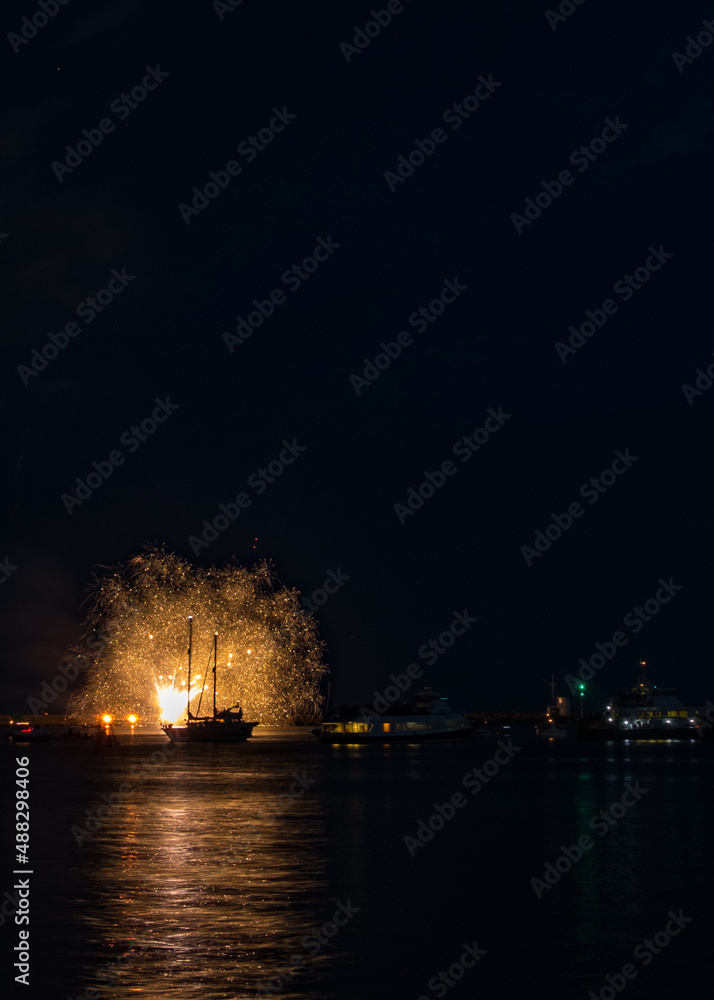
227,726
645,712
223,727
424,716
31,734
551,731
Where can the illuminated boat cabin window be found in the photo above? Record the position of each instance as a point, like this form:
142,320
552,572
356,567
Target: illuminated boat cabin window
345,727
657,714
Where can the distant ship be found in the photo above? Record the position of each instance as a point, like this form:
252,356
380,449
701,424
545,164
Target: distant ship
424,716
220,727
645,712
551,731
31,734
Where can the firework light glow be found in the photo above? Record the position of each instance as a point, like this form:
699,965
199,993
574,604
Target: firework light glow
172,701
134,652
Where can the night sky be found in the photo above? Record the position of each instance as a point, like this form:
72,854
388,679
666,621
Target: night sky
131,216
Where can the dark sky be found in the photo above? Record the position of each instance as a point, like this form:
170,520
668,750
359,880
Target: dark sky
322,177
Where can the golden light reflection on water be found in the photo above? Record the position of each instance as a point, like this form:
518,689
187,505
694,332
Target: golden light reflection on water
216,890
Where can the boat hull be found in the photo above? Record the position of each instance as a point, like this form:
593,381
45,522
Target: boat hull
648,733
211,732
430,737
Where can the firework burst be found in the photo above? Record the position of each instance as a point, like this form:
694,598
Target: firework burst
269,656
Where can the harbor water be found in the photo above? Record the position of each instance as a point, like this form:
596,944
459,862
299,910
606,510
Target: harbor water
285,868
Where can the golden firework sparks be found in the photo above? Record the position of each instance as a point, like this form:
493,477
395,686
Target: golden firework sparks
269,656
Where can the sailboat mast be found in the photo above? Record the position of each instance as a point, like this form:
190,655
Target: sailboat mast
215,657
551,685
188,689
